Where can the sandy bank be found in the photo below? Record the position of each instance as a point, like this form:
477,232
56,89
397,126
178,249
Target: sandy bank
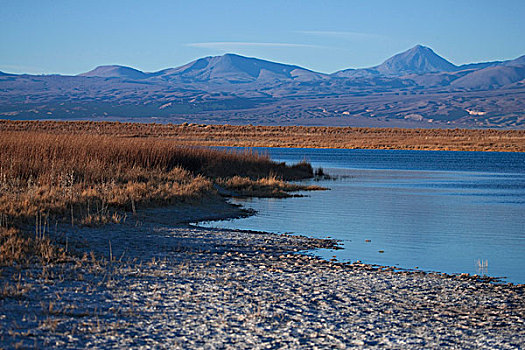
153,281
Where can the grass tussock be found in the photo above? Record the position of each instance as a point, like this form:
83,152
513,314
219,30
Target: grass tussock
20,247
265,187
93,179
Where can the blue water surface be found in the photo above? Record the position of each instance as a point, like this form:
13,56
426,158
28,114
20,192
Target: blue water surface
432,210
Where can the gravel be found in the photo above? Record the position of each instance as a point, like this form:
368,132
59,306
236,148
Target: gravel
166,285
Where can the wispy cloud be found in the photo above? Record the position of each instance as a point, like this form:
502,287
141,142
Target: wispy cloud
233,45
342,35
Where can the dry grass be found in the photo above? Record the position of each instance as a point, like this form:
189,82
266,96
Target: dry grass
265,187
60,174
293,136
93,179
90,173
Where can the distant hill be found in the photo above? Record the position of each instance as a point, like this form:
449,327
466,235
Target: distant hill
480,65
520,61
491,77
417,60
415,88
227,68
238,69
115,72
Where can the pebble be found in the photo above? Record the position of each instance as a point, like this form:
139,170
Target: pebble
205,288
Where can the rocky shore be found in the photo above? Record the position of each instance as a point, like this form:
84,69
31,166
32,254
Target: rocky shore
156,282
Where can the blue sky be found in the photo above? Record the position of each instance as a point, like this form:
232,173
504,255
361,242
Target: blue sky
71,37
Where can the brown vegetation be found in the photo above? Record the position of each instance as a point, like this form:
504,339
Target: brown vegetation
293,136
93,179
91,172
264,187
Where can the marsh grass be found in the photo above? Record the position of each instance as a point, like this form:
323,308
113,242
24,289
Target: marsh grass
91,179
291,136
264,187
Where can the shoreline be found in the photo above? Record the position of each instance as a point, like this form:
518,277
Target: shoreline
154,280
462,275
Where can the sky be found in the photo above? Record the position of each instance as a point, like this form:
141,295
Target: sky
71,37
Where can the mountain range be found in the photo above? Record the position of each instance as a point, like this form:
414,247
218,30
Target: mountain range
228,68
415,88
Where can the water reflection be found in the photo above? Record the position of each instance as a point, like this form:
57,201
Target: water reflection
482,267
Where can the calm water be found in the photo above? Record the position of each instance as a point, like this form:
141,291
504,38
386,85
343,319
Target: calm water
437,211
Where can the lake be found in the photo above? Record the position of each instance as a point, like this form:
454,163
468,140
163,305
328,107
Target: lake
430,210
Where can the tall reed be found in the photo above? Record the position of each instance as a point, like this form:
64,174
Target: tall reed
87,179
